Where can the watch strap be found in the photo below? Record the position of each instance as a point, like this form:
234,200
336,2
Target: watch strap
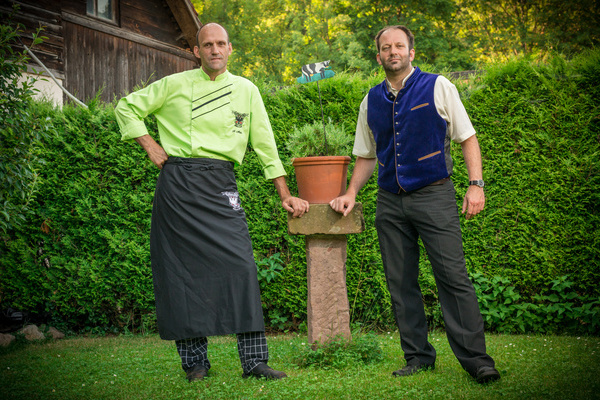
478,182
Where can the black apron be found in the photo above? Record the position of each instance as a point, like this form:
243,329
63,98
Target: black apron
203,267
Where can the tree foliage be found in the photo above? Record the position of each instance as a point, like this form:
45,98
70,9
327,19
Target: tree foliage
274,38
504,28
20,131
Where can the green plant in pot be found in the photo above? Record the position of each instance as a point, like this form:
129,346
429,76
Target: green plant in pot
320,159
311,140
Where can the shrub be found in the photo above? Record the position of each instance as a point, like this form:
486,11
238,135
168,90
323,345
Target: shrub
82,255
541,150
341,353
309,140
557,309
21,131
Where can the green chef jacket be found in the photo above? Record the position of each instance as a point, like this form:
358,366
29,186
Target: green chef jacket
198,117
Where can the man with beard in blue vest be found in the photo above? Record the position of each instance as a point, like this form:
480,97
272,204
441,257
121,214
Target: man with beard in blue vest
406,125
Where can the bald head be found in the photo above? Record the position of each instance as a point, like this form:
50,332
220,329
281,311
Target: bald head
210,25
213,49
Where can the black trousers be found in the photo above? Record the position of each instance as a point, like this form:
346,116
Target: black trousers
431,214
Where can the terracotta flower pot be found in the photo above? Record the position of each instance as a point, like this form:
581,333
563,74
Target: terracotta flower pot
321,179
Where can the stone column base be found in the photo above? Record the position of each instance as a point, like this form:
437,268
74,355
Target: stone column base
327,303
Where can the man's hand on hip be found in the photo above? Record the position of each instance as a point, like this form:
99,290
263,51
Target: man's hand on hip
158,156
155,152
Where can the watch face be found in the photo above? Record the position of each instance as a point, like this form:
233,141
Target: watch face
479,183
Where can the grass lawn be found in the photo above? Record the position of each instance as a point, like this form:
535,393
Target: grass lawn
145,367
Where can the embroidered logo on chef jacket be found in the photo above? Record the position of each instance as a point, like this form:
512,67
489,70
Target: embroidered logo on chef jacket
234,200
239,118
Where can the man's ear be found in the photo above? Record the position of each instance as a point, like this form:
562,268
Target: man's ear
196,51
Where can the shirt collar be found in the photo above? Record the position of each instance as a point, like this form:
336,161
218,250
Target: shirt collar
395,91
221,77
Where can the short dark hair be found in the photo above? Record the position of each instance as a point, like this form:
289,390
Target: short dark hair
204,25
411,37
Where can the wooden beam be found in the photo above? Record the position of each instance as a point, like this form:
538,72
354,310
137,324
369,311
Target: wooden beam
187,19
127,35
43,12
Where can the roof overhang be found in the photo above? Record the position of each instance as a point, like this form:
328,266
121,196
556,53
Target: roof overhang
187,19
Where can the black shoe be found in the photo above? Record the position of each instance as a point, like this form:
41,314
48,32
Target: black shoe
262,370
413,369
196,373
486,374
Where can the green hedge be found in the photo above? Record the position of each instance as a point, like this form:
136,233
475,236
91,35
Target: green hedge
539,128
20,130
84,255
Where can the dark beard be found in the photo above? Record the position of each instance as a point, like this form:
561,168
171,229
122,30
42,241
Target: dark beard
401,67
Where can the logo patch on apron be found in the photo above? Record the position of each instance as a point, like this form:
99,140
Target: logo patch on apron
234,200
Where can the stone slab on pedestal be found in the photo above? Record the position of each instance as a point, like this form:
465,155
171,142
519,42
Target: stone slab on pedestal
328,307
322,220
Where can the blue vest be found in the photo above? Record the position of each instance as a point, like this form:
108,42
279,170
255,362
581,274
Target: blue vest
410,135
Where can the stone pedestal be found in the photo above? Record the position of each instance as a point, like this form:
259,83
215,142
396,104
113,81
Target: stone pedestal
327,304
328,308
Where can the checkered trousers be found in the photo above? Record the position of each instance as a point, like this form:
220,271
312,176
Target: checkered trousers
252,350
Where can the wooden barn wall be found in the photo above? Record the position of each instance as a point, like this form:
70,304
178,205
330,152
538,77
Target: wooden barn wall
96,60
45,14
152,18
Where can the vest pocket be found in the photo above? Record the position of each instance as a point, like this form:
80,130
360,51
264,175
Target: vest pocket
419,106
429,155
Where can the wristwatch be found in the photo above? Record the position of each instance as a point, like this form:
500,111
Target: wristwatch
478,182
